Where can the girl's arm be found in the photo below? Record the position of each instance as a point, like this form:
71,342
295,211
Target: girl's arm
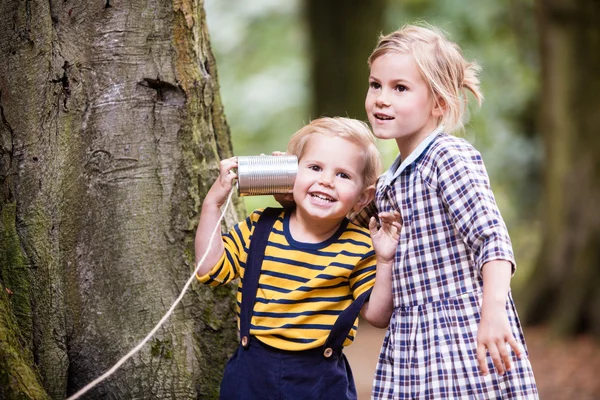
494,328
378,310
209,218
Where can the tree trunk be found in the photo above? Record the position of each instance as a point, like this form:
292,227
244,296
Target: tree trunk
111,132
563,290
342,35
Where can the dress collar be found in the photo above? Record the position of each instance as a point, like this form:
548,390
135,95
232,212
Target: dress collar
398,165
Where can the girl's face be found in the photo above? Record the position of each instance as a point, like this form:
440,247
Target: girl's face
330,181
398,104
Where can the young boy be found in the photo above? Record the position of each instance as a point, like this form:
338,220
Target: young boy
316,264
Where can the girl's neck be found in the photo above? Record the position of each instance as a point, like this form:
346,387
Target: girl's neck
311,230
407,145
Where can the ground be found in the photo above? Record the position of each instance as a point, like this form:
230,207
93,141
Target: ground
564,368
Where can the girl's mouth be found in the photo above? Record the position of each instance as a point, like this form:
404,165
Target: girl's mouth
383,117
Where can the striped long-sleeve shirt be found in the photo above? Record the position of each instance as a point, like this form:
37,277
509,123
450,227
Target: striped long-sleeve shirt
303,287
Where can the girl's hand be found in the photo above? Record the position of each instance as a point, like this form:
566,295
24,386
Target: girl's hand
286,200
219,191
493,335
385,239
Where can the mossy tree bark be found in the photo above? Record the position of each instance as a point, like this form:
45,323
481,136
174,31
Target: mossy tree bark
342,35
563,290
111,132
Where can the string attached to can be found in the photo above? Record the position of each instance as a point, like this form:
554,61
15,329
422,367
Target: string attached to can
137,348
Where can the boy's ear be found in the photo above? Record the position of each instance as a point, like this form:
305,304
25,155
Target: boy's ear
365,198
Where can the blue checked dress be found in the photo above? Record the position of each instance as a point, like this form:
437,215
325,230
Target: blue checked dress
451,228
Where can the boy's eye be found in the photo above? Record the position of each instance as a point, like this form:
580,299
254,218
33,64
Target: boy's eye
343,175
401,88
314,167
374,85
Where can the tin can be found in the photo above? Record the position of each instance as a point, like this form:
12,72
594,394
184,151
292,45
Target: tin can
266,175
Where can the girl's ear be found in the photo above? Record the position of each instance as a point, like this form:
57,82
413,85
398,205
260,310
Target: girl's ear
367,195
439,108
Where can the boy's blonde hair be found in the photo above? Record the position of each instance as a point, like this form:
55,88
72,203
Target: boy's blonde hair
442,65
350,129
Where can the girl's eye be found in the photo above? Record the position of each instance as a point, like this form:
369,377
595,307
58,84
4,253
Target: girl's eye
314,167
343,175
374,85
401,88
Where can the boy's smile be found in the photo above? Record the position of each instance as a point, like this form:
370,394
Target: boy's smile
329,182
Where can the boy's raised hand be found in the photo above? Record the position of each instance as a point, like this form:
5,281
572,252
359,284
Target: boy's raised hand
220,189
385,238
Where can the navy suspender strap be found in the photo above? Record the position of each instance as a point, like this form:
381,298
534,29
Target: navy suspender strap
344,323
256,252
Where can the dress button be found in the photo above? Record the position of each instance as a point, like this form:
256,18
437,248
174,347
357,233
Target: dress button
245,341
328,352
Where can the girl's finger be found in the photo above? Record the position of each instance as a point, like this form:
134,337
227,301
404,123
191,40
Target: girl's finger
516,347
505,356
482,359
496,359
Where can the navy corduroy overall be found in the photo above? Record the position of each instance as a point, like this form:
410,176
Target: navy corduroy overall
259,371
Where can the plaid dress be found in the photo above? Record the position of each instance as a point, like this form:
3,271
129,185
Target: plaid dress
451,228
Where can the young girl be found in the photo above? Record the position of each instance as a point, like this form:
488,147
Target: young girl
299,291
454,331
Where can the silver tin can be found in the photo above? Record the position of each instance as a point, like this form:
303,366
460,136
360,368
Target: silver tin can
266,175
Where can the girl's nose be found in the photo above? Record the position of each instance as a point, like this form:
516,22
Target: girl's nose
382,98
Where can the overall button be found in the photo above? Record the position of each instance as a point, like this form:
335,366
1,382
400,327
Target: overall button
328,352
245,341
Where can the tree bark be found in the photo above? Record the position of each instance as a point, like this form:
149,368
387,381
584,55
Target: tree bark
563,289
111,132
342,35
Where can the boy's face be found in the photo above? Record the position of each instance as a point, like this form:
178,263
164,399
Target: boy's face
330,180
398,104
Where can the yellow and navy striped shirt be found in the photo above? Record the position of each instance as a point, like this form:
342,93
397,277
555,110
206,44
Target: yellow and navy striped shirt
303,287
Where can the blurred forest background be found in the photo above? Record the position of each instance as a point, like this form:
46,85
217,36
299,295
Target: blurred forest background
284,63
114,116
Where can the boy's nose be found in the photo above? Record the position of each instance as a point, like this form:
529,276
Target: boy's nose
326,179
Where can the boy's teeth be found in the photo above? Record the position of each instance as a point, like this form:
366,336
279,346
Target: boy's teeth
321,197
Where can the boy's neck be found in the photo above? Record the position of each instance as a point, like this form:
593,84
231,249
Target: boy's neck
311,230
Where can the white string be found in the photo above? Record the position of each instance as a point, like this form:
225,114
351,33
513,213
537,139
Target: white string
163,319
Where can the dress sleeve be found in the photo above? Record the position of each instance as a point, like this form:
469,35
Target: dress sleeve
234,257
363,217
465,189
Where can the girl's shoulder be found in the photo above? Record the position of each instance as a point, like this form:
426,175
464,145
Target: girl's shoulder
445,153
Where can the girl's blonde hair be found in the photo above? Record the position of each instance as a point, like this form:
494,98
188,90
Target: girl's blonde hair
350,129
442,65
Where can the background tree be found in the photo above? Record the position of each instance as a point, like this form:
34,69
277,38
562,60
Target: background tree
111,131
563,290
342,34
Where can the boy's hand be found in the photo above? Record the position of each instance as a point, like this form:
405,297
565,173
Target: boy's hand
220,189
385,239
